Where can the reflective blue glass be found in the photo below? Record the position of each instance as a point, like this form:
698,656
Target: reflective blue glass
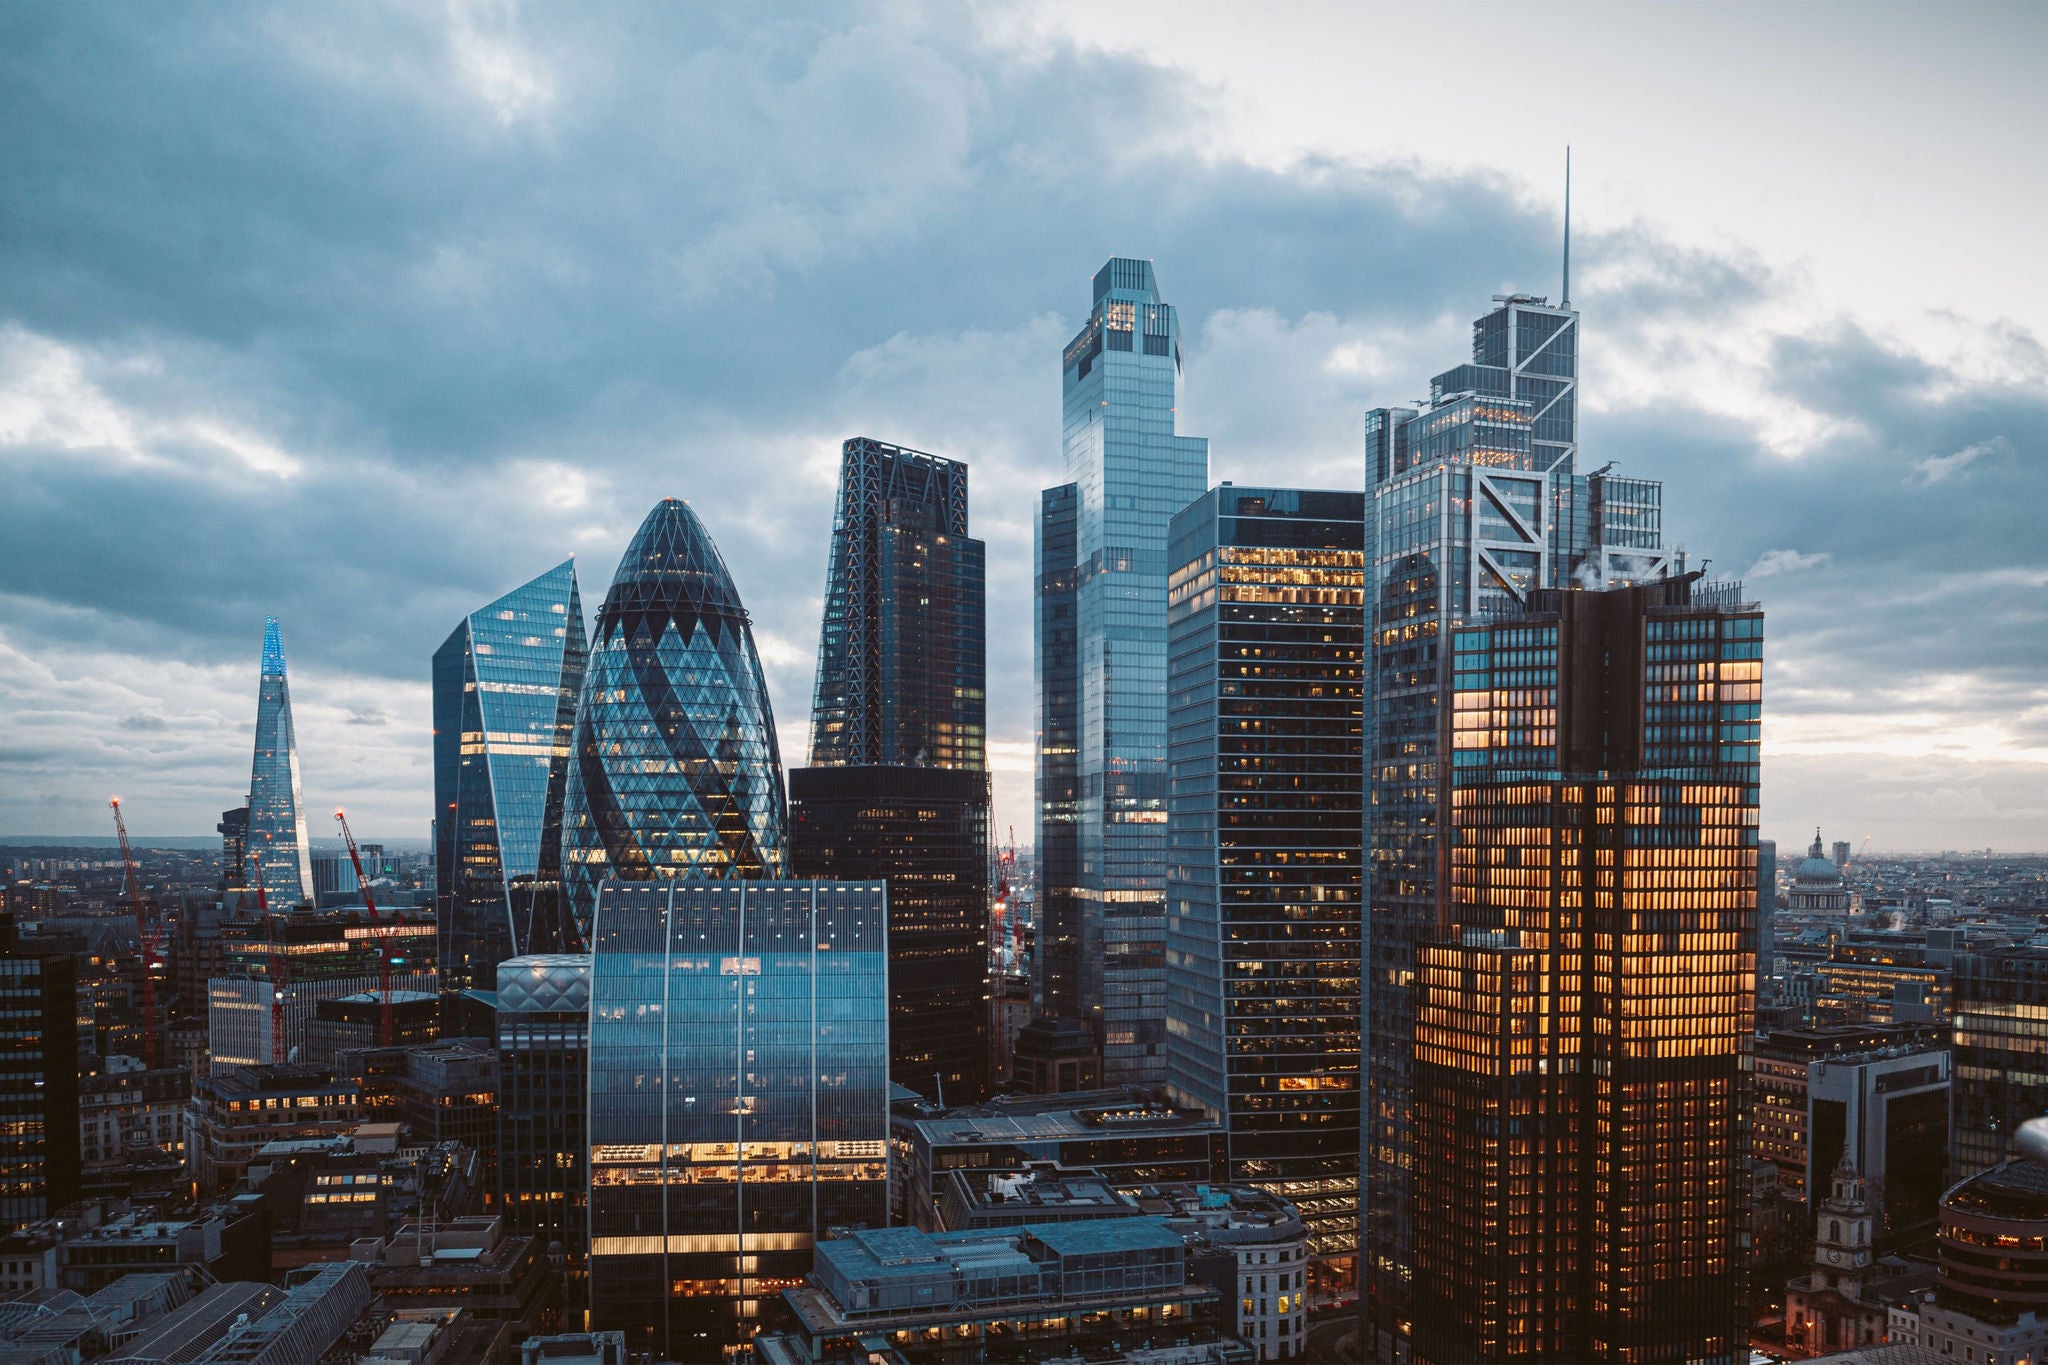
674,768
739,1073
1130,473
277,814
505,689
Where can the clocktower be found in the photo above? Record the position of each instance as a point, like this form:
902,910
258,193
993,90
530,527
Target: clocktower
1842,1245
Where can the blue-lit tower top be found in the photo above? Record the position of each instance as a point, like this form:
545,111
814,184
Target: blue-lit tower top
674,768
277,817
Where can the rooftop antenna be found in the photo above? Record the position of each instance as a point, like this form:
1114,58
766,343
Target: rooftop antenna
1567,228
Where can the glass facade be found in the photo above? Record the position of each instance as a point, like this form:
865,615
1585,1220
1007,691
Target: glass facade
1056,964
1584,1018
674,768
898,788
739,1079
925,832
39,1133
903,651
2001,1035
1473,503
505,688
543,1031
1265,695
1130,473
277,816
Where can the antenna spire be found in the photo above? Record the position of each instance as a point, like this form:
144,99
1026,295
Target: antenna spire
1567,227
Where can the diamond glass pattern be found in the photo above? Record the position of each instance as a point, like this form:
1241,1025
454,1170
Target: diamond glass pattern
674,770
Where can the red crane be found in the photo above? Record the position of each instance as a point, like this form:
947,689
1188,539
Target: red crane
377,935
148,935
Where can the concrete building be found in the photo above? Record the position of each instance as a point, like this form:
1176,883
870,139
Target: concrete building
236,1111
130,1116
494,1275
257,1324
1129,1141
1991,1302
1116,1286
97,1244
1880,1094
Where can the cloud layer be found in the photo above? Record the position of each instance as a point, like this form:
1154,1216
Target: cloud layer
360,319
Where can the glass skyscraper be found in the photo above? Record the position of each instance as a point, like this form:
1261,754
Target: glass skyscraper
1128,473
543,1032
1265,693
1473,502
505,688
674,767
277,817
1584,1015
739,1105
898,789
903,650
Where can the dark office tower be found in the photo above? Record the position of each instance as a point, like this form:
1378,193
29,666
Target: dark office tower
1472,503
505,687
543,1031
39,1135
903,652
1265,693
234,848
925,832
2001,1034
277,806
1129,474
1056,961
1585,1015
739,1098
674,770
898,790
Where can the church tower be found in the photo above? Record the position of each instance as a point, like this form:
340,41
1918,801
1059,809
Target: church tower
1842,1243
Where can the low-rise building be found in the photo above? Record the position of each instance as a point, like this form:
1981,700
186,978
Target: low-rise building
96,1245
244,1323
1254,1247
472,1263
126,1116
1109,1287
1129,1141
238,1110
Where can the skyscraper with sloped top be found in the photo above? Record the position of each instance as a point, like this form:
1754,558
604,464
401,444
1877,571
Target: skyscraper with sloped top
506,683
277,837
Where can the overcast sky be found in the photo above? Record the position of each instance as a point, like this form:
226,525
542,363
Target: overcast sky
361,316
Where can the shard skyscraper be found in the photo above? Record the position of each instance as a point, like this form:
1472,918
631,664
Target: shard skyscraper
1101,663
898,789
506,683
674,769
277,838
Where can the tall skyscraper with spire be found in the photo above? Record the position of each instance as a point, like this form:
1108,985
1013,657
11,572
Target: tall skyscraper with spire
898,788
674,768
505,687
1101,664
277,839
1473,503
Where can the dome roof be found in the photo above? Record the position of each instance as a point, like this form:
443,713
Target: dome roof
1819,870
672,572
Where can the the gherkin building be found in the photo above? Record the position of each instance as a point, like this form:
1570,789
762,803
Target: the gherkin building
674,770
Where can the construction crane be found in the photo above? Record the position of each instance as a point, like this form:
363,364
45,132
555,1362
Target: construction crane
377,935
147,933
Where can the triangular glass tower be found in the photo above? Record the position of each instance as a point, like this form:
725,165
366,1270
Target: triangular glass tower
277,814
505,688
675,770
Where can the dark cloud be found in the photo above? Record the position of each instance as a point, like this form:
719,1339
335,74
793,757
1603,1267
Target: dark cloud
362,319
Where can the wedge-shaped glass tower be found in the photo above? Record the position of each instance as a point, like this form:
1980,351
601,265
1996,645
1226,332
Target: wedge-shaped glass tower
505,688
277,807
674,770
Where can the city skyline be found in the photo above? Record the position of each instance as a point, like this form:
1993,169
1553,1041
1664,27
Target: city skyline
1869,474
